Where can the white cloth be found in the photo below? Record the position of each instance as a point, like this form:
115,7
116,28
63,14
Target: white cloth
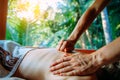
9,45
17,51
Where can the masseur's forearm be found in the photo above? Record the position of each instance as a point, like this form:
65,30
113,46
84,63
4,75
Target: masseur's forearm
109,53
87,18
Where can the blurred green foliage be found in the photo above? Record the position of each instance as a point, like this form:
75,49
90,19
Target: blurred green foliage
45,32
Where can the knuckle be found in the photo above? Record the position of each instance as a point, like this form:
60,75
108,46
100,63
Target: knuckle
65,64
60,43
53,68
76,64
73,60
73,73
65,42
78,72
62,70
58,47
61,47
57,61
62,65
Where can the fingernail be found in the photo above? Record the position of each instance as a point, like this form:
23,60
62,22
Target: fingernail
57,48
61,74
51,69
51,65
55,73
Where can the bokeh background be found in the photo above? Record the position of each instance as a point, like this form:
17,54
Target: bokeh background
43,23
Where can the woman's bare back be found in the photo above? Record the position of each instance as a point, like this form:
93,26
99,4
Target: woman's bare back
35,66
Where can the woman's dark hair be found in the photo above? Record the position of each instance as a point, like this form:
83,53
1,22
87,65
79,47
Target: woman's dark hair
7,60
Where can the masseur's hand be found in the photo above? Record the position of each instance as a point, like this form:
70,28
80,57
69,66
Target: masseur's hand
65,45
75,65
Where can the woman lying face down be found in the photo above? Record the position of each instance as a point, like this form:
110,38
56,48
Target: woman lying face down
36,66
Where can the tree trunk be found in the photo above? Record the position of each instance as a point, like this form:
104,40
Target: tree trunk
89,38
106,26
83,40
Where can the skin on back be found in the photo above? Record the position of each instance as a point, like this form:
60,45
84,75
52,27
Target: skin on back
35,66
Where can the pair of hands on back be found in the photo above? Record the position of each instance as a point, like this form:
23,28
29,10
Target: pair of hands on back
75,64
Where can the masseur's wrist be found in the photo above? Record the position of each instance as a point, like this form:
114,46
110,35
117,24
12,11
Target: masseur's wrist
73,40
98,59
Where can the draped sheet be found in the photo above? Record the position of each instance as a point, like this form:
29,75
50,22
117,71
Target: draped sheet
14,48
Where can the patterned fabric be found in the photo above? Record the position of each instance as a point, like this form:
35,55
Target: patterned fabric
7,45
8,60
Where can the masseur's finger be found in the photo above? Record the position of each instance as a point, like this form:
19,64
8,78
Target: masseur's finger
69,49
59,66
71,73
60,61
63,70
62,48
67,54
60,44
